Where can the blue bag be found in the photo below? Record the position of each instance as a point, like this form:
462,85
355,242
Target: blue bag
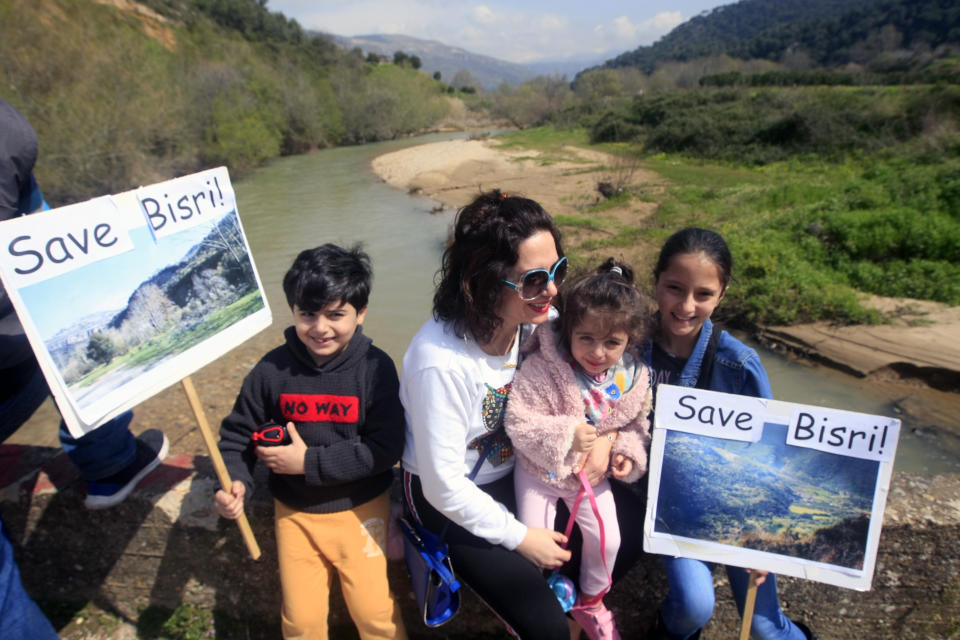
428,561
431,574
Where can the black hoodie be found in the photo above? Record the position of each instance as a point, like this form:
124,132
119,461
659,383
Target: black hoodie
347,411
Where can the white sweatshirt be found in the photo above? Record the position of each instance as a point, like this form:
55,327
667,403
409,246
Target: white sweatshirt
452,393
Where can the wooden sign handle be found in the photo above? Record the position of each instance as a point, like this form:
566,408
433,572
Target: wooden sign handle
218,464
748,608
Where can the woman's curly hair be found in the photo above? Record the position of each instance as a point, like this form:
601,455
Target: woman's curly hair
486,238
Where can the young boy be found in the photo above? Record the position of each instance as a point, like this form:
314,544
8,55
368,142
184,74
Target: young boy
337,394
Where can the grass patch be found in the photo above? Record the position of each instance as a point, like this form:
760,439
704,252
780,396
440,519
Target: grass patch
547,139
619,200
810,236
580,222
193,622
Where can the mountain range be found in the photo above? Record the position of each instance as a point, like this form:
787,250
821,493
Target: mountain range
824,33
487,72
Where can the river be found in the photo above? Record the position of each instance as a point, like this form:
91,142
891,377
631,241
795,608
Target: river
333,196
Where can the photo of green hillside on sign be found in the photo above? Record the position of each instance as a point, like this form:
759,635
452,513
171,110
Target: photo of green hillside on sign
204,284
802,503
123,295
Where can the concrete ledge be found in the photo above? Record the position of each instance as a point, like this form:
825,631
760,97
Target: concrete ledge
165,545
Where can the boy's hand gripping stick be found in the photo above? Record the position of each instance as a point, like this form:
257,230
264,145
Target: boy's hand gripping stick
218,463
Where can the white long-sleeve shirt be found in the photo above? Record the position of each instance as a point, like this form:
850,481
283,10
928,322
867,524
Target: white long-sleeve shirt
453,393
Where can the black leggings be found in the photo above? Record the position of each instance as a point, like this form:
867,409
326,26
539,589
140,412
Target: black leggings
508,583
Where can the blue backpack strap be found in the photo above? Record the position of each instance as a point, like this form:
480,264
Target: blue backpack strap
709,356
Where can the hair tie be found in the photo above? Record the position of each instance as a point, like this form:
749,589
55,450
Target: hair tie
616,270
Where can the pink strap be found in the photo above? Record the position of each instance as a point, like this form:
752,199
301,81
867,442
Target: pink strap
585,488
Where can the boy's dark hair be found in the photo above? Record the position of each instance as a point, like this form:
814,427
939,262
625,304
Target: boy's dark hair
608,293
328,273
696,240
486,238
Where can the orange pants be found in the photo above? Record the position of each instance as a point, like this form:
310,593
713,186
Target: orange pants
311,547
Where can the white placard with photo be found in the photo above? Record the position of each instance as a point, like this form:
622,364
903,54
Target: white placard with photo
124,295
793,489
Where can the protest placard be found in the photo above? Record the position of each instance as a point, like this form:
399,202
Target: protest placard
789,488
124,295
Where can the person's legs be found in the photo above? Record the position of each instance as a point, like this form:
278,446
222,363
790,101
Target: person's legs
20,617
22,390
511,586
112,460
597,563
305,576
355,541
536,501
106,450
109,458
599,554
769,622
690,600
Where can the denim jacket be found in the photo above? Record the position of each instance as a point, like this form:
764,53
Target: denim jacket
736,369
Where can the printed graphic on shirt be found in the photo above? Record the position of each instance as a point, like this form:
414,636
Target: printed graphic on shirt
501,449
493,408
374,532
664,367
599,401
658,376
310,407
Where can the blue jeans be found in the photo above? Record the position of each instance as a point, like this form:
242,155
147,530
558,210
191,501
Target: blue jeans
689,604
97,454
20,617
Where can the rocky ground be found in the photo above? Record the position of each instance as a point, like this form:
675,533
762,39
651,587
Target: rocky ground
103,574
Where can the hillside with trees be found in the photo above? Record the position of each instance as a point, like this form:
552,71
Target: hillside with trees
807,33
822,139
127,93
456,66
862,160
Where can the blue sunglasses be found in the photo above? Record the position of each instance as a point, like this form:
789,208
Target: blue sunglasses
534,282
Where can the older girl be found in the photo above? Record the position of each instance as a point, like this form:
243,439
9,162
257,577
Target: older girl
690,279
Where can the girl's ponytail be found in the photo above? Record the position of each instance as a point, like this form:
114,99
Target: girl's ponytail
615,268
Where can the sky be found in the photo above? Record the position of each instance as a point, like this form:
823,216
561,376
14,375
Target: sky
520,31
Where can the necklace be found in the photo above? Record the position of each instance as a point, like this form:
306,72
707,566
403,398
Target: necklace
511,357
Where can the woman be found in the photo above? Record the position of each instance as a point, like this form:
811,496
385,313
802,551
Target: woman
497,279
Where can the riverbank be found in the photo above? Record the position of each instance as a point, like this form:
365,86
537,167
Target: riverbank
918,347
911,364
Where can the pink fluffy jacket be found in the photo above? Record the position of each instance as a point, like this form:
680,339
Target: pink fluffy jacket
545,406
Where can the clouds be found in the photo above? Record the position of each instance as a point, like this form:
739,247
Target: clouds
622,29
519,31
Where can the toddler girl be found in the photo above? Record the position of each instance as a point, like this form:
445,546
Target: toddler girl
579,383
